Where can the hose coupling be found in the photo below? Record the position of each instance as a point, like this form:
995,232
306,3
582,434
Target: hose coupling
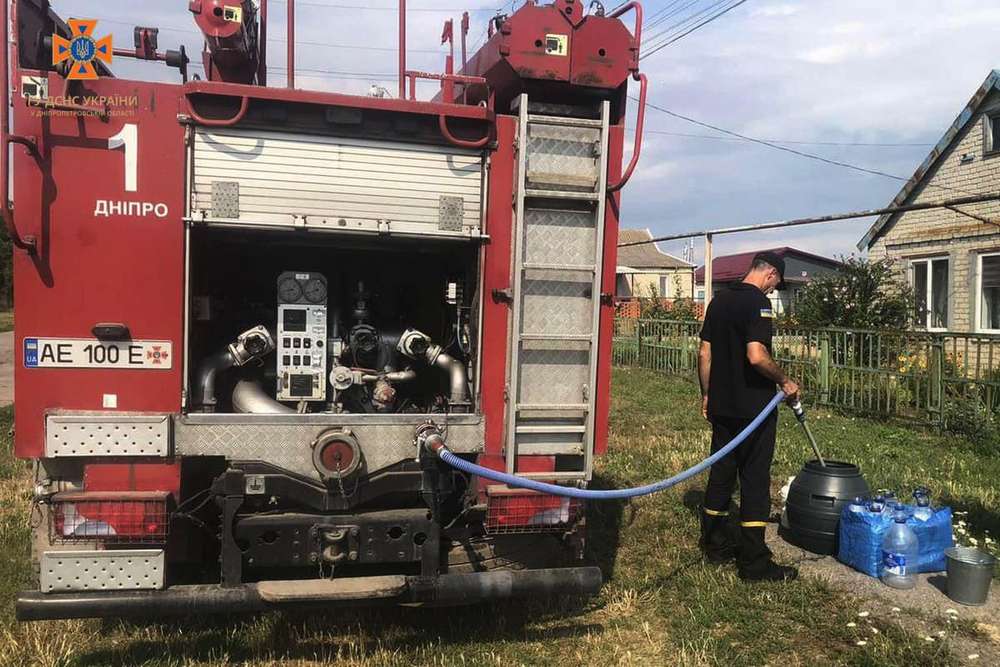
430,438
799,411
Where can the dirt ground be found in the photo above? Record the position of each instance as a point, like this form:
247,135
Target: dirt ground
6,368
928,599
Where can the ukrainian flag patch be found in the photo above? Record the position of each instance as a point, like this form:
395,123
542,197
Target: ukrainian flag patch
767,312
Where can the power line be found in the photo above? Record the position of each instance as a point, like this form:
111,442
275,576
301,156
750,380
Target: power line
362,47
651,18
691,18
683,27
793,151
326,73
692,29
802,143
437,10
675,12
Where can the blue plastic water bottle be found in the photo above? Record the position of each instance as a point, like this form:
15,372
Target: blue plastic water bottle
900,554
890,502
923,510
877,505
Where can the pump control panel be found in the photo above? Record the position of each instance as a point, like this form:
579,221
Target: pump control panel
301,339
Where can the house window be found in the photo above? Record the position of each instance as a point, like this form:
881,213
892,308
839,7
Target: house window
988,292
991,138
930,290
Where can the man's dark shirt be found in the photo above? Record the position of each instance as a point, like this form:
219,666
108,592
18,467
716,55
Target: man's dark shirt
736,316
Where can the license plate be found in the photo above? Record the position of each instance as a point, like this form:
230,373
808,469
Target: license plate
92,353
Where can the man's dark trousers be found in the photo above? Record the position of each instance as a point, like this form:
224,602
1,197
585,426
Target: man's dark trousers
751,464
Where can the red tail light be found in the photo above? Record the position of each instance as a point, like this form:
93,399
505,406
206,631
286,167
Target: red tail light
524,511
136,517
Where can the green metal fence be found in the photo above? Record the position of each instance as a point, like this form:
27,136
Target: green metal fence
910,375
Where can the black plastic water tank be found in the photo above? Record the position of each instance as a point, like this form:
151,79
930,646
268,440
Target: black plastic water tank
816,498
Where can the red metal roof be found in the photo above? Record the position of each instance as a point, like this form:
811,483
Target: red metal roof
730,268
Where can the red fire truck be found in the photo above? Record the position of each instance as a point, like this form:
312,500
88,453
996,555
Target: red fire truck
240,305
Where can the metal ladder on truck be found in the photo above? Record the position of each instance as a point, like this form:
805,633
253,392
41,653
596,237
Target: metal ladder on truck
559,203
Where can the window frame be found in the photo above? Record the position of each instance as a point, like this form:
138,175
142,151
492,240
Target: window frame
977,293
991,119
929,262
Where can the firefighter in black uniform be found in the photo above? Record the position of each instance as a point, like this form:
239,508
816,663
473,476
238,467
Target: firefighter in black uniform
738,378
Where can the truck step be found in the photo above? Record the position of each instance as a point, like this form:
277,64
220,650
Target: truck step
561,194
539,266
557,337
565,121
546,428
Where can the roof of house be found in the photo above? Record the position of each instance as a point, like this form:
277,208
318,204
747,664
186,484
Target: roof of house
730,268
992,82
647,255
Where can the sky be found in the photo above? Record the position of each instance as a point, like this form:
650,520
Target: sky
816,71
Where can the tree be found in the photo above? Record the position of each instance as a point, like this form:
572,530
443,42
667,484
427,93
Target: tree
682,308
862,295
655,307
652,306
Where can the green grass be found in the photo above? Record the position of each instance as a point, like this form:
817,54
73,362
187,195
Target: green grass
661,604
6,320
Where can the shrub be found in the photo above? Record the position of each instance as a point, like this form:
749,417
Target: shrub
684,310
862,295
655,307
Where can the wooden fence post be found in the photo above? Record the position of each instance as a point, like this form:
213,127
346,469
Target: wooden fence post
824,367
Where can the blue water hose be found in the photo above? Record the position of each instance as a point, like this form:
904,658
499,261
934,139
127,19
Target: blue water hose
607,494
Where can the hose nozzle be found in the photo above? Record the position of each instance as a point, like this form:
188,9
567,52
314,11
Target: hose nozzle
799,411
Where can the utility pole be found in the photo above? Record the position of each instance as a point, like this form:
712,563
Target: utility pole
708,270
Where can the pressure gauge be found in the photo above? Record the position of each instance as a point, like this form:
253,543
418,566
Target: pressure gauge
315,290
289,290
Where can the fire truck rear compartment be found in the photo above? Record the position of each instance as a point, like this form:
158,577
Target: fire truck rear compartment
329,479
313,322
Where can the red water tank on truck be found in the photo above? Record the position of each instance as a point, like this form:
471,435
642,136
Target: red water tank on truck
241,308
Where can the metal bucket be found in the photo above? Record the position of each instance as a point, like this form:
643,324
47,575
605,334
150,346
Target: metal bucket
970,573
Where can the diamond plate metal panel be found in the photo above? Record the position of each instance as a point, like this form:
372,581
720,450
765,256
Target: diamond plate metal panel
107,435
225,199
559,237
554,443
551,373
133,569
562,156
287,444
451,211
556,302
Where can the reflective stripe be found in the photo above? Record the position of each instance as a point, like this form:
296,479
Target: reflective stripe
715,512
754,524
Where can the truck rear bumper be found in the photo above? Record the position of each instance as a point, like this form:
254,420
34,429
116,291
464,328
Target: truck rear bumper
445,589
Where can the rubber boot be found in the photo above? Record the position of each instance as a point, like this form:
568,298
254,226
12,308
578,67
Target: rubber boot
754,563
716,543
